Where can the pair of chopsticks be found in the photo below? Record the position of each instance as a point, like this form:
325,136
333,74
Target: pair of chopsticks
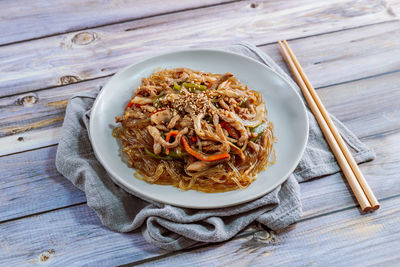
355,178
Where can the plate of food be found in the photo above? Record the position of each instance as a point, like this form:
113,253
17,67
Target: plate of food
198,128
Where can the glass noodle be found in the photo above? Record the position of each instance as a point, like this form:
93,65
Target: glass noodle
196,130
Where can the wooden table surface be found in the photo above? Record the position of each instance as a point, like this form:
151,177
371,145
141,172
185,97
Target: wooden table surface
50,50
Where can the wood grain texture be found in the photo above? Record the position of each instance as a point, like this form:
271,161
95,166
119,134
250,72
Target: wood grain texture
374,116
22,19
30,183
30,140
68,237
37,77
34,120
320,55
346,55
319,196
329,194
42,109
331,240
368,107
99,52
70,233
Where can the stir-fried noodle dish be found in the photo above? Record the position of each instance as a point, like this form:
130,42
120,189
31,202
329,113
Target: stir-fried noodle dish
196,130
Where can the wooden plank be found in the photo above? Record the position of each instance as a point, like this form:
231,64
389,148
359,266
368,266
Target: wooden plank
68,237
70,234
42,110
30,184
29,140
319,196
99,52
75,231
22,19
329,194
346,55
33,120
338,238
370,109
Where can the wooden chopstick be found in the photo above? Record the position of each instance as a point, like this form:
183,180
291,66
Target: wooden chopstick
356,180
360,177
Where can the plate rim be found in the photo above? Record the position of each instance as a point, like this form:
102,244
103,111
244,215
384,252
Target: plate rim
127,187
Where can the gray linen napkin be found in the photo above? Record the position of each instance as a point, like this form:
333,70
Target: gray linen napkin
174,228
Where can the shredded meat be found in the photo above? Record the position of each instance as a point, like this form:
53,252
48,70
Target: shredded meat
147,90
148,108
213,148
161,116
155,133
220,80
161,127
238,126
145,81
232,102
169,81
229,93
206,143
186,122
225,132
180,70
199,166
157,148
131,113
184,76
218,128
244,113
254,146
223,104
173,121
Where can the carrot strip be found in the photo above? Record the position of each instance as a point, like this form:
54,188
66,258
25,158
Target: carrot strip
169,135
130,103
201,156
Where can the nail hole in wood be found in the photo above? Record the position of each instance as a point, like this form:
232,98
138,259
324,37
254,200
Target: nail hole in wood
20,139
254,5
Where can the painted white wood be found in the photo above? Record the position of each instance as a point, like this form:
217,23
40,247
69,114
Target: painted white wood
98,52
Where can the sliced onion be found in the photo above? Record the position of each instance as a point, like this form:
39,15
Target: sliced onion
141,100
197,124
260,110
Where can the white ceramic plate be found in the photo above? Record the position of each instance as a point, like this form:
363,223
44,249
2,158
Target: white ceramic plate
285,109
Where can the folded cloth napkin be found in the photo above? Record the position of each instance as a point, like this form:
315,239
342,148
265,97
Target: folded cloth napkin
174,228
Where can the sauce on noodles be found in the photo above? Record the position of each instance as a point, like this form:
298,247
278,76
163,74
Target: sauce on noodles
196,130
